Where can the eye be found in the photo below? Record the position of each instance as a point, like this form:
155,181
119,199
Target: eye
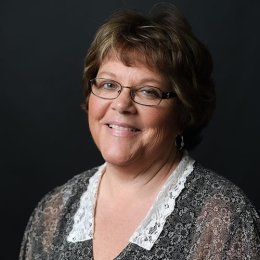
149,92
107,85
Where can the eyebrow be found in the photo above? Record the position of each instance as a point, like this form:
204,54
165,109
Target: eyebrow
111,74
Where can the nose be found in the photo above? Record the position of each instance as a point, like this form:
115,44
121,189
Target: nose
124,103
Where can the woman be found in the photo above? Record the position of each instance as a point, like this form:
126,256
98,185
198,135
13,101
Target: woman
149,93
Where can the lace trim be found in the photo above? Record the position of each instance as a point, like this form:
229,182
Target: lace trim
83,227
152,225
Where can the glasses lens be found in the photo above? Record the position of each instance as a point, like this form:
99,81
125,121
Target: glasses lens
104,88
109,89
149,96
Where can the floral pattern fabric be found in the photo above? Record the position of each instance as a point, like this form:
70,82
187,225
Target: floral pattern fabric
152,225
212,219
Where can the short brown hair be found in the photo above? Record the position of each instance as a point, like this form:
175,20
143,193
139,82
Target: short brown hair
164,41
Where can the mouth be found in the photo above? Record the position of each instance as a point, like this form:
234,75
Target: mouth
123,128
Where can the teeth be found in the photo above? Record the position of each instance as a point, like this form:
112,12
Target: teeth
121,128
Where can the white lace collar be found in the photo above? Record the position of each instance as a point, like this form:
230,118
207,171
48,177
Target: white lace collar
152,225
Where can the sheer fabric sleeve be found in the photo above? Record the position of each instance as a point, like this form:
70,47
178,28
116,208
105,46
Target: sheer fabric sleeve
223,232
244,239
45,236
40,230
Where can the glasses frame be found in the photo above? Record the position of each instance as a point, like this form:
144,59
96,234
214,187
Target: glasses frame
164,95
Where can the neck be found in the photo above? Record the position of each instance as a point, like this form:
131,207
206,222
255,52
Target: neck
133,180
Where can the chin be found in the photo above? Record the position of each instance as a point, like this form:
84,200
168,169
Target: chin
118,160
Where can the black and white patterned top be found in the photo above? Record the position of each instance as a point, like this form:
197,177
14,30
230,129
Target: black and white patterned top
210,219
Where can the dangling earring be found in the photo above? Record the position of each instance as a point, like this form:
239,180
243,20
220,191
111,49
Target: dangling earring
179,142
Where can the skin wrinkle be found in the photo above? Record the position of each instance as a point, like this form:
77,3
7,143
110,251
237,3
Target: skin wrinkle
146,169
150,177
137,163
130,110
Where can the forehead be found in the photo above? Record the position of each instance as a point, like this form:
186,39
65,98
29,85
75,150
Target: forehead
114,62
130,58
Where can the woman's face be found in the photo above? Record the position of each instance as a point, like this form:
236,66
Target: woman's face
126,132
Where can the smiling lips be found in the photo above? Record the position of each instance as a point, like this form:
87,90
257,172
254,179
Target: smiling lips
122,128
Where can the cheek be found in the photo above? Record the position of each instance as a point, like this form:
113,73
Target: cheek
93,119
93,113
91,103
96,108
167,123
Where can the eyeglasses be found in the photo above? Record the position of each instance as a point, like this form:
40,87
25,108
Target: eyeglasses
143,95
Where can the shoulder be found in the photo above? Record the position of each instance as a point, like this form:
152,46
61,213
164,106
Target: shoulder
207,189
222,212
208,180
53,212
73,188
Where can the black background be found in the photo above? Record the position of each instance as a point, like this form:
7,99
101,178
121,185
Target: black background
44,133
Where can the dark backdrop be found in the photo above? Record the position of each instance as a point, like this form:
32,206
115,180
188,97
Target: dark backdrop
44,133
